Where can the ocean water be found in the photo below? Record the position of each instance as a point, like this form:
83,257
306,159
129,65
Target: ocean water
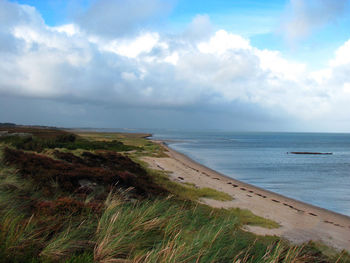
261,159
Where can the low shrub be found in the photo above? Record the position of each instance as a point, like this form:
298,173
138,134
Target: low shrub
106,169
68,141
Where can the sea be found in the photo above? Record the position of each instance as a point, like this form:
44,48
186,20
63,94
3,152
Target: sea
264,160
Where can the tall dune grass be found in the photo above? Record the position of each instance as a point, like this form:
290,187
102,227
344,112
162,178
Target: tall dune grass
169,231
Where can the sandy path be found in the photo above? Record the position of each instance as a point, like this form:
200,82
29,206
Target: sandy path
300,222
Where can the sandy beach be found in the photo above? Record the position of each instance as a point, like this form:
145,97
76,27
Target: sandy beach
300,222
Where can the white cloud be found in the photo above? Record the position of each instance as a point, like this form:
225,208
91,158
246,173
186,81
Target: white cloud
346,87
69,29
342,55
133,47
320,76
173,58
278,66
150,70
223,41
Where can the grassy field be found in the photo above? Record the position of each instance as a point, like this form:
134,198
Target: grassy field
96,204
144,147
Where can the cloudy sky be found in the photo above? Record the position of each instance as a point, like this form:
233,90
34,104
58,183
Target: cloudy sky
281,65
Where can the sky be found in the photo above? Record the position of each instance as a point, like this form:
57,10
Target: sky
240,65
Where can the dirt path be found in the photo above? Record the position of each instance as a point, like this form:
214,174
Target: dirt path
300,222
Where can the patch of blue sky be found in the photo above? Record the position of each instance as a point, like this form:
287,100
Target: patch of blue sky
57,12
246,18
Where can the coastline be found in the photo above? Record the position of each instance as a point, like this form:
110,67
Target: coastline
300,222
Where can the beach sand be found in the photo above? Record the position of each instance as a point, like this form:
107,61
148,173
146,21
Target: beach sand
300,222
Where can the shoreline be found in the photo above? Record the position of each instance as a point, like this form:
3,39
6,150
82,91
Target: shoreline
300,222
188,159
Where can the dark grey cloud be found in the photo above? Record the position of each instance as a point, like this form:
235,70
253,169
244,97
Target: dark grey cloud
60,113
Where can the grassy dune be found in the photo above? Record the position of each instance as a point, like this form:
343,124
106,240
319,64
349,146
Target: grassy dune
82,199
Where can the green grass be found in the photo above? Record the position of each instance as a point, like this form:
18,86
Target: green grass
134,139
246,217
210,193
86,257
75,237
19,237
186,191
169,230
144,147
172,231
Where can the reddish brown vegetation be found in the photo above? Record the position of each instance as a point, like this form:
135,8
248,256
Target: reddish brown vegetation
107,169
129,173
78,177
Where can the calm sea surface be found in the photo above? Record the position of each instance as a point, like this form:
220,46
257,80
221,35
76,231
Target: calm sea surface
261,159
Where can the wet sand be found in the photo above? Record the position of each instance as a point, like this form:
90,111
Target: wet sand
300,222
